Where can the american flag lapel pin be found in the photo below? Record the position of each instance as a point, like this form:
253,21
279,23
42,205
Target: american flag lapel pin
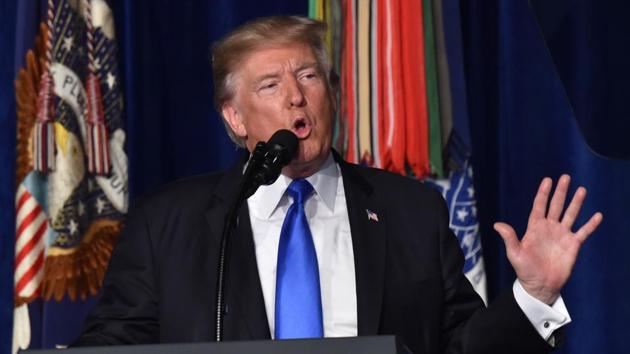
371,215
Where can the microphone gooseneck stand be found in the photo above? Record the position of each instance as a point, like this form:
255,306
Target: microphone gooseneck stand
230,224
263,167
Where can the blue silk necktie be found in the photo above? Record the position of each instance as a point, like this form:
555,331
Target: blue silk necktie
298,296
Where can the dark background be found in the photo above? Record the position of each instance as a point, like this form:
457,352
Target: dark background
547,94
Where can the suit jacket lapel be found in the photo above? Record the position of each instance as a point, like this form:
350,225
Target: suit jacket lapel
369,246
244,298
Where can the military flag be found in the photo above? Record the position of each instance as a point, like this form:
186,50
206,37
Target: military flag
71,170
459,193
457,185
403,103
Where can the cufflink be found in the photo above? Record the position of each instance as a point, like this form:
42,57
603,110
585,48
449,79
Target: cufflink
372,216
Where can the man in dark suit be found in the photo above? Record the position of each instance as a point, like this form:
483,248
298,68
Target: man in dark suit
385,261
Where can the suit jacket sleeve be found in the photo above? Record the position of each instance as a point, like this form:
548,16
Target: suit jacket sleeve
469,327
127,312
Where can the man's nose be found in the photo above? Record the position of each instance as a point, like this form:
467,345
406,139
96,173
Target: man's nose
295,93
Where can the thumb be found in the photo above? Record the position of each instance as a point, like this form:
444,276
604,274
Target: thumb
508,235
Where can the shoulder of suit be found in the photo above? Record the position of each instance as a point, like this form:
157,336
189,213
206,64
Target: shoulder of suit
385,182
189,191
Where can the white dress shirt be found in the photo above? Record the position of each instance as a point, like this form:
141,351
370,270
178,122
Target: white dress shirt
328,220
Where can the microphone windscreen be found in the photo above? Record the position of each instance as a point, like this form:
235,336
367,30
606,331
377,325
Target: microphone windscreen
286,139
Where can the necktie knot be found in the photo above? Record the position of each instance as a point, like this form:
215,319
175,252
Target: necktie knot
300,190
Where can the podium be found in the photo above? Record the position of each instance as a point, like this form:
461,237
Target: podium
358,345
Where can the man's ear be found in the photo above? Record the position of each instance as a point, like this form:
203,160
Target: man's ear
234,119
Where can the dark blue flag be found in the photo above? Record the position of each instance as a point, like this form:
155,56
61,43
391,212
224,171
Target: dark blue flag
67,218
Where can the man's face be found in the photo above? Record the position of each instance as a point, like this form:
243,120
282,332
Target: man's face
284,88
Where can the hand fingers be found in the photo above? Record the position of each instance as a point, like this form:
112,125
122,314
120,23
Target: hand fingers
540,201
587,229
508,235
559,196
574,207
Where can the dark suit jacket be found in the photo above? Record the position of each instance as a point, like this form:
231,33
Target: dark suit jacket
160,285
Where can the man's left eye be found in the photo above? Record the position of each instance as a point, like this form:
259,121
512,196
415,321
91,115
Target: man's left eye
309,76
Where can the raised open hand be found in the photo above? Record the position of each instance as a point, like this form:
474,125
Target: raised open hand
544,258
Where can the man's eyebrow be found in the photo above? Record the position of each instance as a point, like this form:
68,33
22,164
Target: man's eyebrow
276,74
307,65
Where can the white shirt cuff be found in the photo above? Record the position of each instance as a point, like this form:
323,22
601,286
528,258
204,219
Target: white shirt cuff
545,319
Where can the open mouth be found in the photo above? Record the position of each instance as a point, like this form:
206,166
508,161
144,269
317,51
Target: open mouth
301,128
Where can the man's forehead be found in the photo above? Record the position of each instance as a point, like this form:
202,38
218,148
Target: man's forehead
266,60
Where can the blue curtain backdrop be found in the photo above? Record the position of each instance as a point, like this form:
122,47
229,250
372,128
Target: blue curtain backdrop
590,46
535,90
543,81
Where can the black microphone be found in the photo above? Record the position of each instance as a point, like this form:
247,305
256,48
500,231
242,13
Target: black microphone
280,150
268,159
264,167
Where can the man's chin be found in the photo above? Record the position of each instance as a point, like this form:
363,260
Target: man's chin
304,165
